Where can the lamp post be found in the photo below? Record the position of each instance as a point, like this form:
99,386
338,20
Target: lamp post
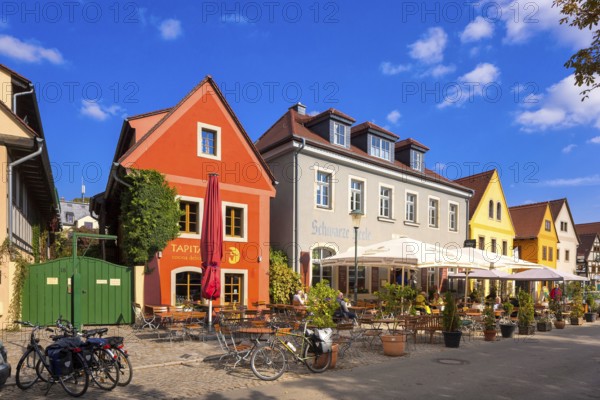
356,216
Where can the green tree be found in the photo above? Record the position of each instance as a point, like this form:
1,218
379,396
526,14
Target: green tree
149,215
583,14
282,280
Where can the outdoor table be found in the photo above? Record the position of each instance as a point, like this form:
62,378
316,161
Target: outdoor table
256,331
358,310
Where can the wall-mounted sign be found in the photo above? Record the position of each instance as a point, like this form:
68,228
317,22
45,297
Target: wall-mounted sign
101,281
115,282
51,281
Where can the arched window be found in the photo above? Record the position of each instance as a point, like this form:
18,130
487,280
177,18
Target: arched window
320,272
498,211
491,209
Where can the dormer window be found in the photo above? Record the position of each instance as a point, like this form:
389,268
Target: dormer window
416,160
339,134
380,148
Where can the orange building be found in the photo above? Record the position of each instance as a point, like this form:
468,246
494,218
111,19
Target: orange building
535,234
198,136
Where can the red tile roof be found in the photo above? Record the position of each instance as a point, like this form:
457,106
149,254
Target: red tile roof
590,227
360,128
328,112
408,142
291,126
149,114
479,183
528,219
586,241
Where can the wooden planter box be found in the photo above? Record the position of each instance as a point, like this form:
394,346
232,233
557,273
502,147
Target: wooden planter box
576,321
544,326
526,329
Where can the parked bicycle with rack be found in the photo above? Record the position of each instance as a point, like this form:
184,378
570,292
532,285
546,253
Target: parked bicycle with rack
59,363
312,348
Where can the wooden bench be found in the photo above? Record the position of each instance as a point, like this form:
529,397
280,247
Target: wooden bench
431,324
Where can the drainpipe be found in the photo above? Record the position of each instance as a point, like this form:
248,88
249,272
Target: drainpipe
113,173
14,109
296,256
13,164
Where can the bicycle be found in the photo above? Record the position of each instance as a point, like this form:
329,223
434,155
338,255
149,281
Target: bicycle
118,348
35,365
268,362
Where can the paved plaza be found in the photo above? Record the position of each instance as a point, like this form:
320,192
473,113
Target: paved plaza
561,364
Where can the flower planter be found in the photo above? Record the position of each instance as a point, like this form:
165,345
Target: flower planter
526,329
452,339
590,317
507,330
560,324
393,345
489,335
544,326
576,321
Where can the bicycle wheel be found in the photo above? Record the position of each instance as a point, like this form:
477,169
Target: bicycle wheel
104,369
42,372
124,367
77,382
315,360
27,375
268,362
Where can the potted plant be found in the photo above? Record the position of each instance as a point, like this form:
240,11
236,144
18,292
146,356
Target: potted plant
577,308
526,315
489,324
321,304
451,322
544,324
392,297
556,307
507,326
590,316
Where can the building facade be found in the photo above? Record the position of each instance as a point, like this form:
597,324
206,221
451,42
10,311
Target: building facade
588,256
568,241
327,167
74,214
199,136
536,239
27,197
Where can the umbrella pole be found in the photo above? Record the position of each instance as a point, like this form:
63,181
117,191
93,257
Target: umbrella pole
209,313
402,276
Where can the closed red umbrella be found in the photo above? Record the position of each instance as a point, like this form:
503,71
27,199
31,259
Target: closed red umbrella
211,244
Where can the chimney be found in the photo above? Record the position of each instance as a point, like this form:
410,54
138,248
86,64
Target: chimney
299,108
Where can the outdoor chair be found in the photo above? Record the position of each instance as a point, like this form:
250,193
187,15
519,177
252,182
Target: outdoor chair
142,319
346,335
234,350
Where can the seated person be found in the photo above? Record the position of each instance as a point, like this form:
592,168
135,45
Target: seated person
343,310
477,306
498,304
436,301
460,304
299,298
421,303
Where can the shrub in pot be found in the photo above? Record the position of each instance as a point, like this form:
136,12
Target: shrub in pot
526,315
544,325
577,308
489,324
507,326
392,298
590,316
322,304
556,308
451,322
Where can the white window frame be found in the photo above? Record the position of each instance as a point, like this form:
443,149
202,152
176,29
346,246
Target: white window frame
379,147
218,141
450,204
416,160
390,202
436,211
363,199
415,219
318,183
336,134
200,202
244,207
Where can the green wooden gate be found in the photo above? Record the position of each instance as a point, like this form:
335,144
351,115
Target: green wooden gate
104,293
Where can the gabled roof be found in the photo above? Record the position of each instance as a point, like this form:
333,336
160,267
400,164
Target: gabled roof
365,126
527,219
410,142
479,183
586,242
327,113
556,206
590,227
292,127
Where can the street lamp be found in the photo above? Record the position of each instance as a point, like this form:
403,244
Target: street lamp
356,216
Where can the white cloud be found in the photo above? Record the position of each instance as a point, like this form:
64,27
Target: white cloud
28,52
561,107
479,29
594,140
592,180
441,70
387,68
430,49
472,84
568,148
394,116
313,113
99,112
170,29
524,20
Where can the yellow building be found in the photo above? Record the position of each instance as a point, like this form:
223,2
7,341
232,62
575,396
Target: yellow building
535,234
490,223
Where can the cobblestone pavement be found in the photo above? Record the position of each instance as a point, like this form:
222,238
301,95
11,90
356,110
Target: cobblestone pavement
165,369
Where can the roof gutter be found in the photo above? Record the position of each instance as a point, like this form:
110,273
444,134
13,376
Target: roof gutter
296,168
13,164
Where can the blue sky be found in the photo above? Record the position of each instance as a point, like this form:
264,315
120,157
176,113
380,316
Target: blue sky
481,84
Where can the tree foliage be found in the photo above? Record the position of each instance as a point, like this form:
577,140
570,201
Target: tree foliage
283,282
149,215
583,14
322,304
